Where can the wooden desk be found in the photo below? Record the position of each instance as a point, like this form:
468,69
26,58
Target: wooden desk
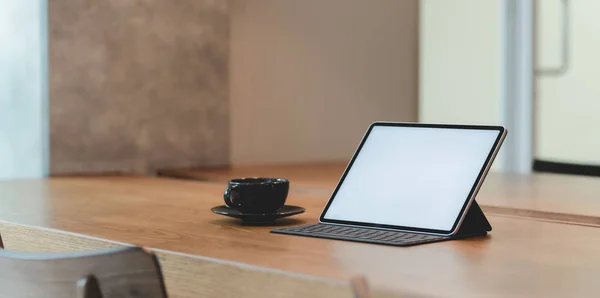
521,257
551,197
304,177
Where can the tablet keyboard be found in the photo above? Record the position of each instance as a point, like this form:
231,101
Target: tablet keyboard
360,234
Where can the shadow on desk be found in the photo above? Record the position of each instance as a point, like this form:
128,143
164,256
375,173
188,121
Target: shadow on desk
228,222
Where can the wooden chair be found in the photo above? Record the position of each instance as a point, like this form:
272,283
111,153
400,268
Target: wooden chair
118,273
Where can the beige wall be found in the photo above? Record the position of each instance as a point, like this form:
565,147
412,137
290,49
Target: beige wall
460,61
307,77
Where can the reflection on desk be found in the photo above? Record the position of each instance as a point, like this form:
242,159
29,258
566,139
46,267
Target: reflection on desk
550,197
520,257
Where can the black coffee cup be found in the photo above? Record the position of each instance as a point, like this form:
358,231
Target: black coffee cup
257,195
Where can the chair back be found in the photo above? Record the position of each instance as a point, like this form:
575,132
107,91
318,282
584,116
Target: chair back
116,273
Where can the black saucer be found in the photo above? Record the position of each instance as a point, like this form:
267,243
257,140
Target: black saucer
258,218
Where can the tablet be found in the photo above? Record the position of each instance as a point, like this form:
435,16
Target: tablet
414,177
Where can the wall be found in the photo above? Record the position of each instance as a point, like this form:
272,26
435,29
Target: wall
23,89
461,61
138,85
308,77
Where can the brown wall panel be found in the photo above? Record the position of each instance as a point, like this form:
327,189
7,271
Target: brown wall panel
137,85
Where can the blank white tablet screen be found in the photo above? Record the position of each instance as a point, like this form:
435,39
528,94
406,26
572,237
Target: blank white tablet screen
412,176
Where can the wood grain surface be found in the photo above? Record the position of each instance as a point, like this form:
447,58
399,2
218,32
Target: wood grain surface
542,196
521,257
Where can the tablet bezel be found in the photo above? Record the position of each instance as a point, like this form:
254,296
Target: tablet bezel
468,200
